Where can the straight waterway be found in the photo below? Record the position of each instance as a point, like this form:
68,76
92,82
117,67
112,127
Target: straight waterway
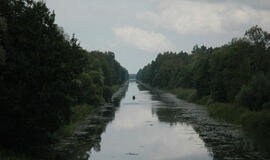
158,126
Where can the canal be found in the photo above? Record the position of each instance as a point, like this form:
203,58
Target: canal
158,126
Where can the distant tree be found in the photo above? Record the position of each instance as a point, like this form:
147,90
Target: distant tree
225,73
43,74
255,94
258,37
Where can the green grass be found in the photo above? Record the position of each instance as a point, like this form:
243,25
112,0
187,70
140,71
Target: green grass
204,100
255,123
8,155
227,112
185,93
115,88
79,113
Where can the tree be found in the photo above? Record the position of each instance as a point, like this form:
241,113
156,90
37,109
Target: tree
43,74
223,73
255,94
258,37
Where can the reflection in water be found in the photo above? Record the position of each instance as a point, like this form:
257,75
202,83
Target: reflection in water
139,132
161,127
87,135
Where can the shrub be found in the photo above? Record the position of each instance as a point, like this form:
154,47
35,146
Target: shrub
255,94
226,112
185,93
245,97
256,123
107,94
204,100
266,105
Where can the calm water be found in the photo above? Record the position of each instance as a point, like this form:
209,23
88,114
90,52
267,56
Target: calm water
145,129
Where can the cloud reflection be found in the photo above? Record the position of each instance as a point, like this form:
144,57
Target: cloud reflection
136,133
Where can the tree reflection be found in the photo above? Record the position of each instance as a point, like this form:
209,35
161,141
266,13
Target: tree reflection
221,139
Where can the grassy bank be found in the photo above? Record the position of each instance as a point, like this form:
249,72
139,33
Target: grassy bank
256,123
115,88
8,155
184,93
79,113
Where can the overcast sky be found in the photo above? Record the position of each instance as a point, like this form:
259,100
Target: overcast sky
137,30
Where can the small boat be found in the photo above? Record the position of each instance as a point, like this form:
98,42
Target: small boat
133,97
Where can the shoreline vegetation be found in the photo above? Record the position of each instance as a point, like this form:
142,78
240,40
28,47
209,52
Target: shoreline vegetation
79,114
254,122
48,82
232,81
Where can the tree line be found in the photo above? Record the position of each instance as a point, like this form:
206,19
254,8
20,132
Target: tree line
43,73
237,72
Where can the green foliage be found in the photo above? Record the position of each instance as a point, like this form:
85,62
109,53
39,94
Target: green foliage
226,112
78,114
204,100
256,123
107,94
165,69
266,105
3,29
258,37
225,73
245,97
8,155
185,93
43,74
236,74
255,94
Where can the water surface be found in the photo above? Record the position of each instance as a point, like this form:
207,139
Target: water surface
145,129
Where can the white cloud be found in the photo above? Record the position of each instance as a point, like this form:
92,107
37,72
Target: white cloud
144,40
193,17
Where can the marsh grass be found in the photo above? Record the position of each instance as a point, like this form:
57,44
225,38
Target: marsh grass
185,93
115,88
79,113
227,112
9,155
255,123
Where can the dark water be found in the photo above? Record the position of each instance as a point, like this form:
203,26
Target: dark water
161,127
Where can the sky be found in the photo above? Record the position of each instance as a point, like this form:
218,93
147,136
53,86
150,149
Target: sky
137,30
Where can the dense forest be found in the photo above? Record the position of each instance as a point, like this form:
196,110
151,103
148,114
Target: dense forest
43,73
237,73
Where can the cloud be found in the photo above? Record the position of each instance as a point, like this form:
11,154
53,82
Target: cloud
199,17
141,39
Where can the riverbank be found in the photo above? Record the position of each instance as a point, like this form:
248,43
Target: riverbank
81,112
87,131
83,119
224,139
255,123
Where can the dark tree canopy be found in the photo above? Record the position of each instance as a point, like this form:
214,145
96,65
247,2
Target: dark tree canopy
236,72
43,73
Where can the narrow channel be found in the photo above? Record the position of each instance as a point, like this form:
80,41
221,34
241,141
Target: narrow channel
160,127
138,133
